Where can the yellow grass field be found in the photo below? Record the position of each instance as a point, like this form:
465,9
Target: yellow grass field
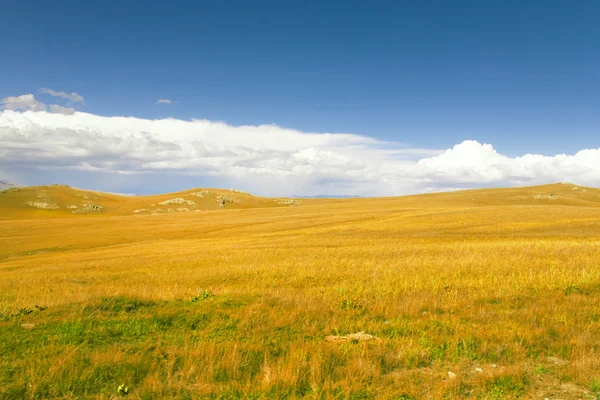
487,294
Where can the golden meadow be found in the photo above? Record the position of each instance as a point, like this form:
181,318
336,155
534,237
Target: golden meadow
487,294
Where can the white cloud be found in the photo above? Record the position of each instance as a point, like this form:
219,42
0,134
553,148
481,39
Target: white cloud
265,159
55,108
164,101
72,97
23,102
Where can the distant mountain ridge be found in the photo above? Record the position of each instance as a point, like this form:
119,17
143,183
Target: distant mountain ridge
330,196
6,185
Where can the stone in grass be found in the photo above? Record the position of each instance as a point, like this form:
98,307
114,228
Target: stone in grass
353,337
451,375
27,326
557,361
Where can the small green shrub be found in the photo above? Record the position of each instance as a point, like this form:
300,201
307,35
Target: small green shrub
203,295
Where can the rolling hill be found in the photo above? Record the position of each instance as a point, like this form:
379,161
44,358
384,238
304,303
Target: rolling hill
63,201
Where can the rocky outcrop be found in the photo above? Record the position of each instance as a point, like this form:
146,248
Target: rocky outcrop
43,205
177,200
223,200
202,193
545,197
288,202
89,208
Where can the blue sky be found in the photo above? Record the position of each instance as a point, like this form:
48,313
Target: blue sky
523,76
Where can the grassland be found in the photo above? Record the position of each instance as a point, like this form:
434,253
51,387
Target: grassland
487,294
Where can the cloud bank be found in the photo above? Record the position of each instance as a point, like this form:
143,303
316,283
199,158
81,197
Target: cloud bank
266,159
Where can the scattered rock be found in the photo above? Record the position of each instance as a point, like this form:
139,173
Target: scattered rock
451,375
27,326
575,188
478,370
72,207
42,205
139,211
353,337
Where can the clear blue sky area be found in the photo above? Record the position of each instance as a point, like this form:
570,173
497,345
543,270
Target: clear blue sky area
522,75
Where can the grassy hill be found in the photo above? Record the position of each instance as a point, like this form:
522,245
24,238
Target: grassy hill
489,293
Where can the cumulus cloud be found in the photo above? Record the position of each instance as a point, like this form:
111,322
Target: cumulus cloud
265,159
164,101
72,97
23,102
472,162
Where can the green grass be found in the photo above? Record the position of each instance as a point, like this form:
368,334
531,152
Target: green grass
129,340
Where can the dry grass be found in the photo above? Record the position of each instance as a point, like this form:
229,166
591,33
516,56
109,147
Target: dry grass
496,286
